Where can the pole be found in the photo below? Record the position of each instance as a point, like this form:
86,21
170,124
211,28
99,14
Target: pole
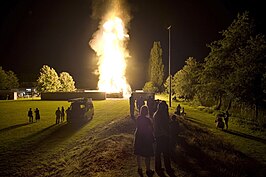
170,78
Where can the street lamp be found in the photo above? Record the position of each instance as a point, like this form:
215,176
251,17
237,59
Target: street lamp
170,86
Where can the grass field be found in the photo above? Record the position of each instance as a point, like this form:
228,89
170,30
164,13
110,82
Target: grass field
103,147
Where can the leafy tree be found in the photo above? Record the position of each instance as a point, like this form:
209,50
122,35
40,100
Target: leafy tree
185,81
8,80
166,85
12,80
156,67
2,79
48,80
149,87
67,82
232,66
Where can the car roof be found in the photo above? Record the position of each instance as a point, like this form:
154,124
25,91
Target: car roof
81,100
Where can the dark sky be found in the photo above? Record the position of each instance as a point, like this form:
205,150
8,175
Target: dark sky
56,33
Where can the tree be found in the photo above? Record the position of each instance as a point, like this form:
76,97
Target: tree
166,85
2,79
12,80
149,87
8,80
185,81
233,64
156,67
67,82
48,80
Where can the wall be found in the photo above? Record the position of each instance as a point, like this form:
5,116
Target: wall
71,95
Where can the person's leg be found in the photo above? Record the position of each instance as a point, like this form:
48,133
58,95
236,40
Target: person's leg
167,161
149,172
226,124
139,166
166,155
139,161
158,163
147,163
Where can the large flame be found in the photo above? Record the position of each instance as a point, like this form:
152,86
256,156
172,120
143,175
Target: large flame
109,43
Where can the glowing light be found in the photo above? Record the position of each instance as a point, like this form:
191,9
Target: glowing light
110,46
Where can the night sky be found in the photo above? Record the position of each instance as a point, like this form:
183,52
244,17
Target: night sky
57,32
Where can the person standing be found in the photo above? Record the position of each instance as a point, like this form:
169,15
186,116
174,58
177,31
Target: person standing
178,109
132,106
174,130
140,102
37,114
62,114
68,114
143,141
162,139
57,115
226,119
151,105
30,115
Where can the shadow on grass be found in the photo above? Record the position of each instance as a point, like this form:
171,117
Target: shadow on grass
193,160
14,126
55,134
190,119
232,132
31,147
199,153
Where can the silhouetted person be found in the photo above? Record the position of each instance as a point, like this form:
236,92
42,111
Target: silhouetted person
144,139
226,118
219,121
174,130
62,114
162,137
37,114
151,105
68,114
30,115
140,102
132,105
57,115
178,109
183,113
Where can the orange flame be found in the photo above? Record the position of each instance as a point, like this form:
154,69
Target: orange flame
110,46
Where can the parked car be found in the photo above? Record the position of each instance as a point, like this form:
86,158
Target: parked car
81,110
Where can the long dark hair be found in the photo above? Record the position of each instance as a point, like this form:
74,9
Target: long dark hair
162,110
144,111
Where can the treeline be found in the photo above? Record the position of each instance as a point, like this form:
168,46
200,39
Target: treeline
49,81
8,80
232,76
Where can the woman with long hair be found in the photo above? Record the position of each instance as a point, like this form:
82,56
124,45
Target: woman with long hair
144,139
162,139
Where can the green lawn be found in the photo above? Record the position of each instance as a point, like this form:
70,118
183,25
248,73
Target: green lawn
242,137
103,147
17,135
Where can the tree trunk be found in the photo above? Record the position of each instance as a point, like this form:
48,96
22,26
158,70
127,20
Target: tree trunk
218,107
229,105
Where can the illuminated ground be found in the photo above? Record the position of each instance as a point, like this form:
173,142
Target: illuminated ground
103,147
